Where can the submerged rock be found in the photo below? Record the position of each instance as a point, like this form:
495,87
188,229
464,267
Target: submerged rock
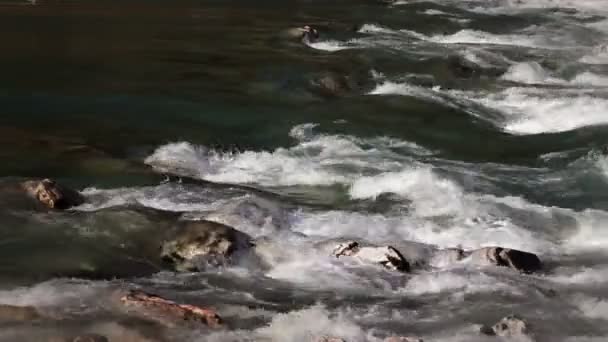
13,313
510,326
305,34
331,84
52,195
193,245
387,256
518,260
166,311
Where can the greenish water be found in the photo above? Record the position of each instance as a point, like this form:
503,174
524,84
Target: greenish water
454,123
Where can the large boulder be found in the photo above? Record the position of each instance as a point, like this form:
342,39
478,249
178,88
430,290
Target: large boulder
194,245
168,312
52,195
387,256
510,326
497,256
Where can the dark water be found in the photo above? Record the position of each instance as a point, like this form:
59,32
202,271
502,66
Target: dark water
455,123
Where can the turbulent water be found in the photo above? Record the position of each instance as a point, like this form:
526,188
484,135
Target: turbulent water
468,123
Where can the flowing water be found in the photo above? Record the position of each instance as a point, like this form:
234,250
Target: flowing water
470,123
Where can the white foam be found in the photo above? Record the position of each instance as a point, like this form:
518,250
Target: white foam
592,307
314,322
528,73
373,28
431,195
532,111
315,160
467,36
332,45
463,283
590,79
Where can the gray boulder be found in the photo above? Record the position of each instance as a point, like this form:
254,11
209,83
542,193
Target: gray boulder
194,245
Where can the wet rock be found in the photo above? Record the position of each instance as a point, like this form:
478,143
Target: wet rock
402,339
194,245
305,34
387,256
13,313
510,326
52,195
331,84
168,312
518,260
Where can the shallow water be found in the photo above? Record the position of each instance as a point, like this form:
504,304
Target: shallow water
468,124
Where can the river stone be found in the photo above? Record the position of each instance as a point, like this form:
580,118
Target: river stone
510,326
387,256
521,261
52,195
194,245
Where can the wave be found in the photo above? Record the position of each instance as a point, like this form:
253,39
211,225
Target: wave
316,159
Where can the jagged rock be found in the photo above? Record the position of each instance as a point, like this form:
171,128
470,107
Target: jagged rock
402,339
510,326
166,311
52,195
506,257
387,256
193,245
13,313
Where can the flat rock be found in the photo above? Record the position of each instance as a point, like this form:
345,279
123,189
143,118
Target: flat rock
168,312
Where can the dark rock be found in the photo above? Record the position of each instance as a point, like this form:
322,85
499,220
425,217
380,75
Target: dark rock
331,84
52,195
387,256
193,245
521,261
167,312
510,326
